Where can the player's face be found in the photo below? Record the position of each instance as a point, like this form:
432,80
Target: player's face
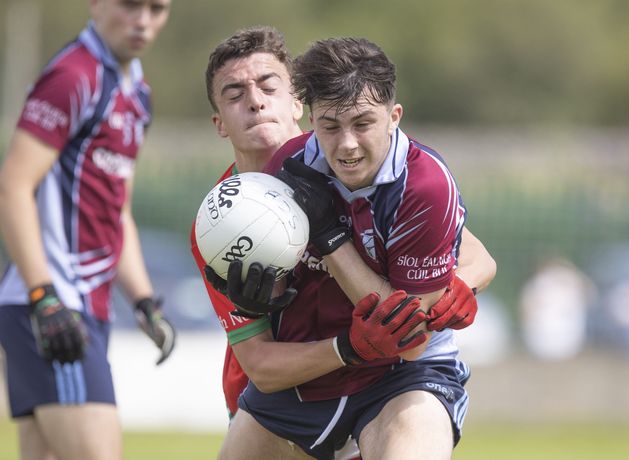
129,26
256,109
356,141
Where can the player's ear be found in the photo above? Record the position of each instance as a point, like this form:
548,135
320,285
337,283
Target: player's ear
396,115
220,128
298,110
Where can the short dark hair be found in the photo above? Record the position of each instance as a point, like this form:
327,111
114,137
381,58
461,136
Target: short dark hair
339,71
259,39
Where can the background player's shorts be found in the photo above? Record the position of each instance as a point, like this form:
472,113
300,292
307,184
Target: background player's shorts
320,427
32,381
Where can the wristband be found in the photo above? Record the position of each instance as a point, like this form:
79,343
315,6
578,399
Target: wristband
145,303
346,351
331,240
335,345
39,293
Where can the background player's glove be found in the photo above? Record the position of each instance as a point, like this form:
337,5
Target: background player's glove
314,195
151,320
456,309
252,298
379,331
59,332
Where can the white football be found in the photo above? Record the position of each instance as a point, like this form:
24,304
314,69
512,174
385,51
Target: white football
252,217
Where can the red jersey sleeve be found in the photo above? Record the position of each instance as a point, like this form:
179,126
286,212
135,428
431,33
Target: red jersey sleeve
237,328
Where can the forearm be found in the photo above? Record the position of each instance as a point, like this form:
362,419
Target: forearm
357,280
274,366
19,223
132,273
475,265
353,275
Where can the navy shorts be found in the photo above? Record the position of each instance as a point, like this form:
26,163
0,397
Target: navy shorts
33,381
321,427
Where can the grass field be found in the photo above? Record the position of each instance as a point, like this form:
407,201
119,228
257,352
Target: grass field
481,442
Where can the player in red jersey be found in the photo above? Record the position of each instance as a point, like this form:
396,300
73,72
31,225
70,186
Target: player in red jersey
248,81
65,216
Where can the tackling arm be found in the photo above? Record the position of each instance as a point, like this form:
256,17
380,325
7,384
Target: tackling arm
378,330
274,366
356,280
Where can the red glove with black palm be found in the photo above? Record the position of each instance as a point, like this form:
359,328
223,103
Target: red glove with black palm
382,330
456,309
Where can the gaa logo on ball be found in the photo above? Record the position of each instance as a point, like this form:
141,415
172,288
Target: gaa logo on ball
251,217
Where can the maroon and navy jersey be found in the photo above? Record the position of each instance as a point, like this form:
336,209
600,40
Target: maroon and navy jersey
81,107
406,226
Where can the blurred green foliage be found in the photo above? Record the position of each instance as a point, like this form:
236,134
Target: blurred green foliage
459,61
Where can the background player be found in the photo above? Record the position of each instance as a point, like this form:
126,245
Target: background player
65,215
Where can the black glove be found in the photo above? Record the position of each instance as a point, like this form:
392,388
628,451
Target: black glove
216,281
252,298
151,320
314,195
59,332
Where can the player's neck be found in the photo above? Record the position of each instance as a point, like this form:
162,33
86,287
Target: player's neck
252,161
125,79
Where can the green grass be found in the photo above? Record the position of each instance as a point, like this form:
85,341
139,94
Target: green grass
566,441
138,445
480,442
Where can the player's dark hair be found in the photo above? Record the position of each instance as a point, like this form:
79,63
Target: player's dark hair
259,39
339,71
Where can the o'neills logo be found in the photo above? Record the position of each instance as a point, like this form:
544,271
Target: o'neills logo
113,163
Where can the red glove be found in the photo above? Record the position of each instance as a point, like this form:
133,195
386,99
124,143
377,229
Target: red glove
379,331
455,309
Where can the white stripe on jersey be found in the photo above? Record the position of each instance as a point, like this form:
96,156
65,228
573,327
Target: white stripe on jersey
394,239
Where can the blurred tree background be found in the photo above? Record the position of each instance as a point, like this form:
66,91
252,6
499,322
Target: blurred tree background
526,99
459,61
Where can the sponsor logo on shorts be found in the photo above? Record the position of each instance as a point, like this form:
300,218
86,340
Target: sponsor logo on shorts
445,391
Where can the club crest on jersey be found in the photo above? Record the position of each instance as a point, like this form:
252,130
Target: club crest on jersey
131,127
369,243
